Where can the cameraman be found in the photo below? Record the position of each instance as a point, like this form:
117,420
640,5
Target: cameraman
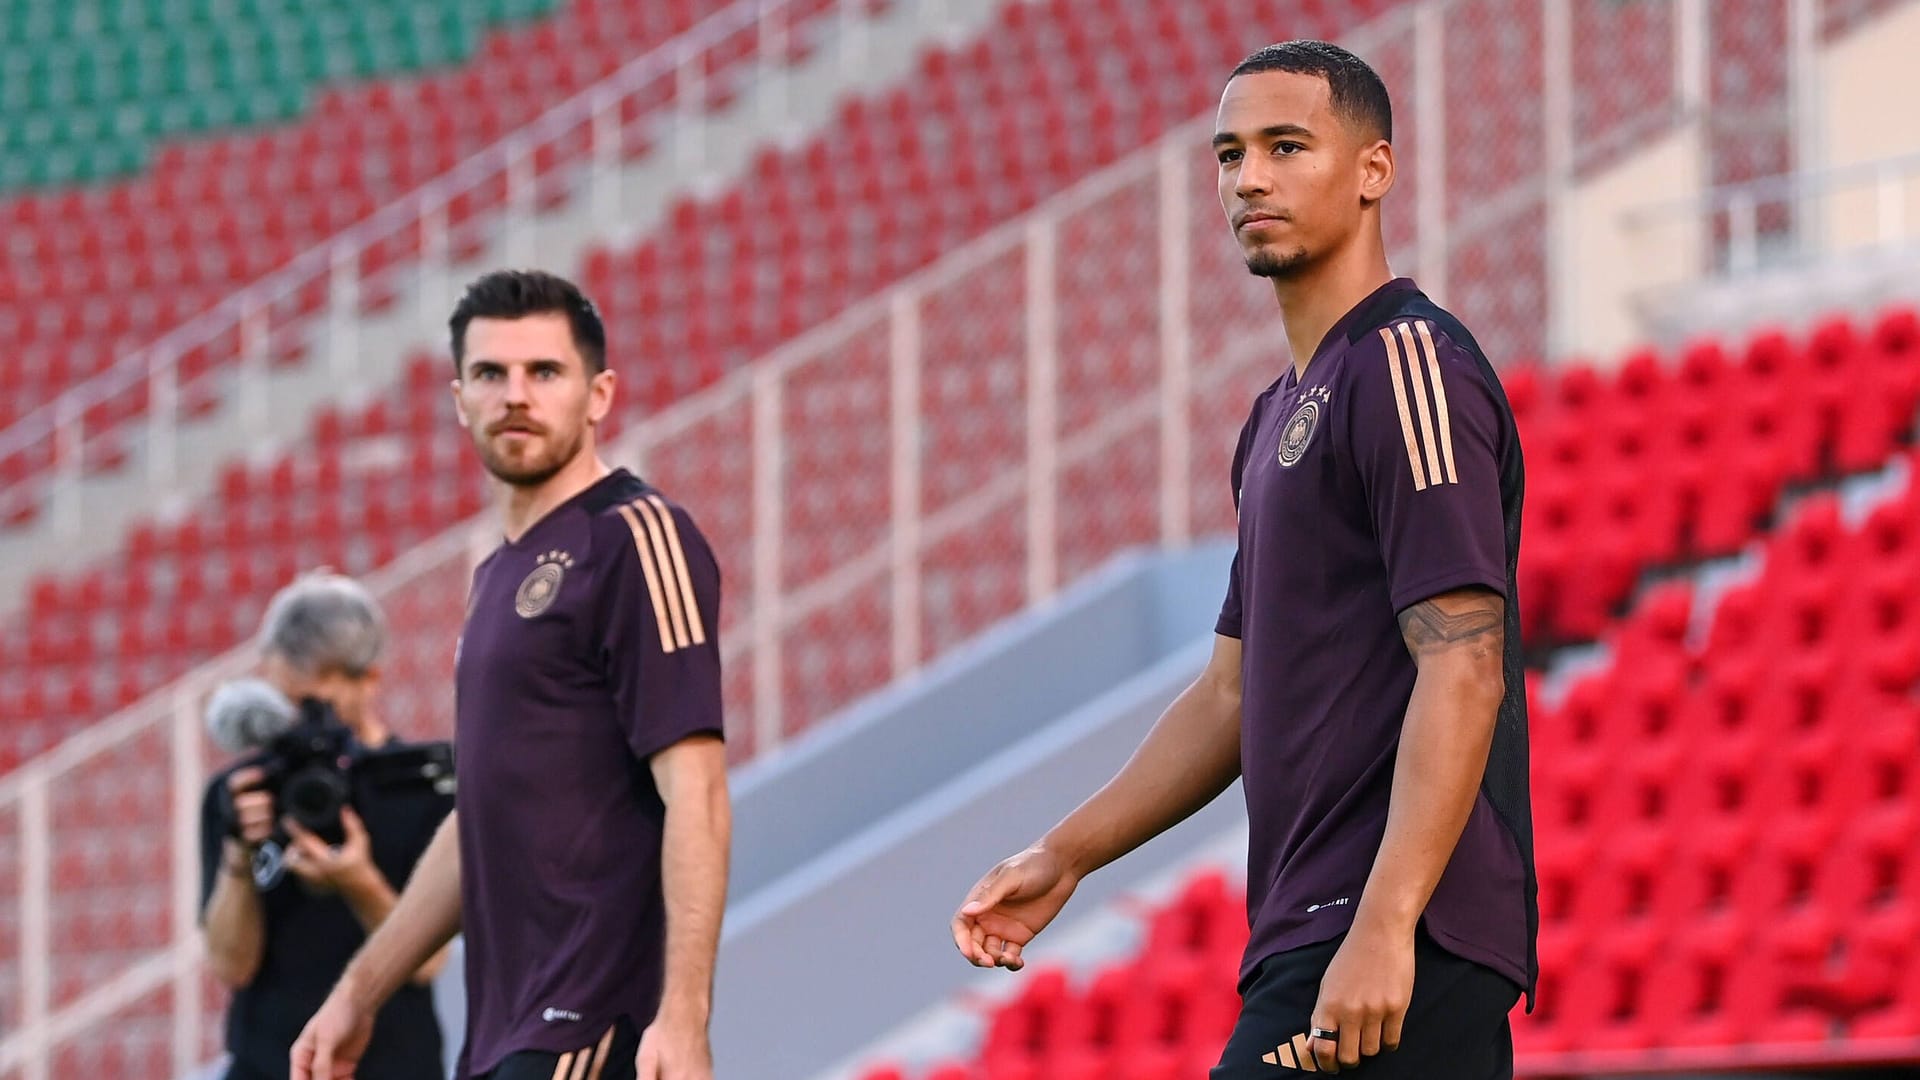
284,910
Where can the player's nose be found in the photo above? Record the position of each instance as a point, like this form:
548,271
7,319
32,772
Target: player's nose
1252,181
517,387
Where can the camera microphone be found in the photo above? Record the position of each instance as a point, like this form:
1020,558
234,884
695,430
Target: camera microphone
248,714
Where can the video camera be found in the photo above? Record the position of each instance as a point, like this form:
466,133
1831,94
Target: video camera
312,768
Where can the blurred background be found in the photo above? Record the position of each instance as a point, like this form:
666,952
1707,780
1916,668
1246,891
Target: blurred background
927,310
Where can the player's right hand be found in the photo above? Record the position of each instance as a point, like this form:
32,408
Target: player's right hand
252,807
333,1041
1014,902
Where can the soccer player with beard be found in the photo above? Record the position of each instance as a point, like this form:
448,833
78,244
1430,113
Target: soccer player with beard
1365,681
587,857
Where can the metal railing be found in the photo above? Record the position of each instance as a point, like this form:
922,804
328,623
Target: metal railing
1832,211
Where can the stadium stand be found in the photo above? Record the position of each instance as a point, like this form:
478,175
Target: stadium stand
1648,468
1735,425
687,317
1658,462
88,88
722,306
1721,420
89,271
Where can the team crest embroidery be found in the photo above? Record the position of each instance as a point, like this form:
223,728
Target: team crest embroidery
538,592
1301,426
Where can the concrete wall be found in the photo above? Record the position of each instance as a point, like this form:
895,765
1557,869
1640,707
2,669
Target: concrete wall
1869,84
908,739
1608,264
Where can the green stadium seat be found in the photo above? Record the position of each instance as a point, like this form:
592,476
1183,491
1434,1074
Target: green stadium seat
99,77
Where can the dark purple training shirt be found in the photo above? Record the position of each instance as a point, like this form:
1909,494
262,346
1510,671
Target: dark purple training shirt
590,644
1390,473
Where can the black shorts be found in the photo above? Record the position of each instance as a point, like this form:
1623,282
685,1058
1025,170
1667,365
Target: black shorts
608,1058
1456,1027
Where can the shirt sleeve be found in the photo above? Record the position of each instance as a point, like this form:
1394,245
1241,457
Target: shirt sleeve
659,626
1425,433
1229,623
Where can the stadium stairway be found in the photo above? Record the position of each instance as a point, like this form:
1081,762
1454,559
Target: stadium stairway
854,847
379,330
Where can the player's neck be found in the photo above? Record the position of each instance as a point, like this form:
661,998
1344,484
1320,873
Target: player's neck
1312,303
521,508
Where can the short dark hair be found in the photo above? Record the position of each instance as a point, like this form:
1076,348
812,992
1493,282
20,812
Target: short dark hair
1355,89
515,294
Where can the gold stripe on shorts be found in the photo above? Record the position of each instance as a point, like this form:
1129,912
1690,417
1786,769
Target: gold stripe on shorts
1303,1050
600,1055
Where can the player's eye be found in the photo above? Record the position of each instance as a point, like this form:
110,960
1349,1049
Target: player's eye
1228,157
1287,149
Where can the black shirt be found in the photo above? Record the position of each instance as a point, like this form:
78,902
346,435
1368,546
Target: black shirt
591,643
310,938
1387,474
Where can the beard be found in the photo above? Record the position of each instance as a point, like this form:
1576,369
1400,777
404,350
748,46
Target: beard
1268,263
556,451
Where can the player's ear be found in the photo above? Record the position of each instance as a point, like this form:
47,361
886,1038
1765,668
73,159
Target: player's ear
600,395
1376,171
459,403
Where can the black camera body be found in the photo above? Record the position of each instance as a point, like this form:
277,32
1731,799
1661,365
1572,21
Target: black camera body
313,772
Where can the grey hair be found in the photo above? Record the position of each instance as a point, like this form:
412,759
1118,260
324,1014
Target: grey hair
324,622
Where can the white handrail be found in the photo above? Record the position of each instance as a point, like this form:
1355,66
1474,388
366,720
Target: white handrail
1786,187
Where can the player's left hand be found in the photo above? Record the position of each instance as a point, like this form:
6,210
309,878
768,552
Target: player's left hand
673,1050
325,867
1364,996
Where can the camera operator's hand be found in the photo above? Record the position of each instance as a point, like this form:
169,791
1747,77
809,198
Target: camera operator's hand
343,869
252,806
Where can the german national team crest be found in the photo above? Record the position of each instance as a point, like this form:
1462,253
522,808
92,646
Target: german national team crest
1301,426
538,592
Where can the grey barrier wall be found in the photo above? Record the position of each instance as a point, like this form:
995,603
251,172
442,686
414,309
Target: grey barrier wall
854,849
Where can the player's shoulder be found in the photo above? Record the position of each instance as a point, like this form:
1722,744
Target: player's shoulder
629,516
1408,345
1401,318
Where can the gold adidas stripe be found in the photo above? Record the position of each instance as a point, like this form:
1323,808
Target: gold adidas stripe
1303,1052
560,1067
1439,399
1419,381
600,1055
696,627
582,1059
668,585
1400,399
642,543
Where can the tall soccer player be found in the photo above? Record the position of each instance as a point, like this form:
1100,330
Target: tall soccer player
1365,680
587,857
